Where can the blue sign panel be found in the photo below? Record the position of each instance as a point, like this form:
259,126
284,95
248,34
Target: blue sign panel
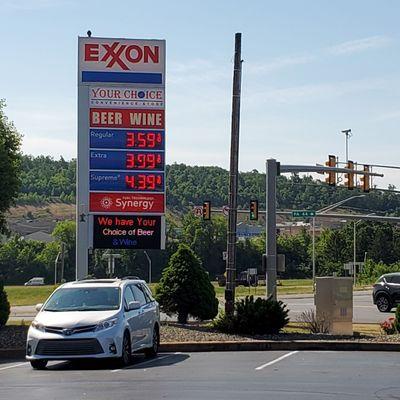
127,160
127,139
127,181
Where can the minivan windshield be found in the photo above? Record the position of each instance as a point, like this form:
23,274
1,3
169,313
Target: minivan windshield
84,299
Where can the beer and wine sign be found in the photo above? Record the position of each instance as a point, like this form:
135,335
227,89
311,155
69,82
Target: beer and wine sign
121,157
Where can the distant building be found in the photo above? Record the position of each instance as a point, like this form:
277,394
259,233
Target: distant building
39,236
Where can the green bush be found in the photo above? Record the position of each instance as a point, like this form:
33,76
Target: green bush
4,306
254,317
397,319
185,288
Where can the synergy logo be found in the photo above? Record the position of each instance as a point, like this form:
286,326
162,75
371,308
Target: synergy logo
127,202
121,55
106,203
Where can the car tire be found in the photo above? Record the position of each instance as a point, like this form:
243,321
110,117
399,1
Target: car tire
153,350
39,364
126,356
383,303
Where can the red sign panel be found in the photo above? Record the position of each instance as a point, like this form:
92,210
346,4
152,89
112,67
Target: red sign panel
126,118
127,202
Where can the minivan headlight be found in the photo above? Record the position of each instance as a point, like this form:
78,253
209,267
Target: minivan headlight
37,325
107,324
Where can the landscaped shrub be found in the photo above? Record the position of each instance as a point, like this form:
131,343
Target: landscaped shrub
312,323
397,319
254,317
185,288
4,306
389,326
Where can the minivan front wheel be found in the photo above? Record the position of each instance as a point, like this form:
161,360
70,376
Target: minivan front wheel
126,355
38,364
383,303
153,350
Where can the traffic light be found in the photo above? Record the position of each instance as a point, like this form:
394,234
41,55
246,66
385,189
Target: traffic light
365,180
253,210
331,178
207,210
349,176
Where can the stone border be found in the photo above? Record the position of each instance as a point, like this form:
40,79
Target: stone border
255,345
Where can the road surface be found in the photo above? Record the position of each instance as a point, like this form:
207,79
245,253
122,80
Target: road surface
303,375
364,310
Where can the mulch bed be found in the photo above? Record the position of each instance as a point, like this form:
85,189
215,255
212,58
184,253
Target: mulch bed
14,336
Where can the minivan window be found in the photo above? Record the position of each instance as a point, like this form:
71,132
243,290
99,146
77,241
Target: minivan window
84,299
139,295
128,296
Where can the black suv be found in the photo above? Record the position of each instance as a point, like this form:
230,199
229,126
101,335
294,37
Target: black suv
386,293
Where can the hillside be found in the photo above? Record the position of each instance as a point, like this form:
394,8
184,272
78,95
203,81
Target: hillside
47,183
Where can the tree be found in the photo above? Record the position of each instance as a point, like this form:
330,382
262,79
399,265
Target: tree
10,161
65,231
185,288
4,306
207,239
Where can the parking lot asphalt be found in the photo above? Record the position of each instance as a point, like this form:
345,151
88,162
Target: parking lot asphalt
198,376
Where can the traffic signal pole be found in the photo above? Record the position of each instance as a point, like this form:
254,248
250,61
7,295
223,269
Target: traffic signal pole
271,175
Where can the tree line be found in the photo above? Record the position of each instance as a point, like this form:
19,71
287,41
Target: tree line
376,243
45,179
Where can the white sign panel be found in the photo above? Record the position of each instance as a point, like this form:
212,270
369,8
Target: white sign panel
126,97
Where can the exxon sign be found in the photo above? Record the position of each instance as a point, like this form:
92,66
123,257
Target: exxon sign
121,60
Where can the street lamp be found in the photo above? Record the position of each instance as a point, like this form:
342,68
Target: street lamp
149,261
322,211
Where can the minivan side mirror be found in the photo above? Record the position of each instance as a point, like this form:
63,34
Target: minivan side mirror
39,306
134,305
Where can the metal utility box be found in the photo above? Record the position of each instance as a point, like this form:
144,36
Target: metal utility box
334,303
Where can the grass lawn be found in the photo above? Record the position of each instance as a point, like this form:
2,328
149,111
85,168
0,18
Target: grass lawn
28,295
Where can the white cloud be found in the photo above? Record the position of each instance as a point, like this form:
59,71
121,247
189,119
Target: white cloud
395,114
278,64
317,92
359,45
29,5
54,147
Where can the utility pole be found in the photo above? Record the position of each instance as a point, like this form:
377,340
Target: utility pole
233,180
348,135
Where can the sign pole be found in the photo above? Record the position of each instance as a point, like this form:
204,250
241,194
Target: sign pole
82,200
271,173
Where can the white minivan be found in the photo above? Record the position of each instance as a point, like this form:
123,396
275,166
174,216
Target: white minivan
99,318
35,282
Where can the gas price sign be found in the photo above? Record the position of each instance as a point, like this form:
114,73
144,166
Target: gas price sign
123,85
127,139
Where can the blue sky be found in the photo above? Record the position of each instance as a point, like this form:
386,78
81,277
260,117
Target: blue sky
311,69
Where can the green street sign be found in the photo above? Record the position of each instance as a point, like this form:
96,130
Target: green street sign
303,214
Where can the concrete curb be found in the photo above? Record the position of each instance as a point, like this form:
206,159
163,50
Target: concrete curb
255,345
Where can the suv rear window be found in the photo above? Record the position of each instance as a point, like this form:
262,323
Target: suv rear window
395,279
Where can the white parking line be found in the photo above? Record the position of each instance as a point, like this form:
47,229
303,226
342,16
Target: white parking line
143,363
13,366
276,360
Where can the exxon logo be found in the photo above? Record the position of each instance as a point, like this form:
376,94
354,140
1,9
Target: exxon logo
121,55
